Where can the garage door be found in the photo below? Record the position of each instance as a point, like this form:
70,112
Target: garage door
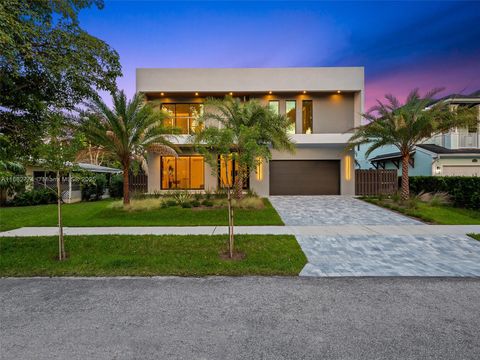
461,170
304,177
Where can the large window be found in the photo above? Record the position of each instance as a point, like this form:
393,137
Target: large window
183,172
274,105
228,171
183,116
307,116
291,112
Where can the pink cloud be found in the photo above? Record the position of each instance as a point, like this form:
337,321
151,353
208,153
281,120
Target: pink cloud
456,76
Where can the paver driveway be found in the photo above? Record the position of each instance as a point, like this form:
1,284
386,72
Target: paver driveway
334,210
373,255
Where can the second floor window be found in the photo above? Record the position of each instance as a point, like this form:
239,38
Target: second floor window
274,105
183,116
307,116
291,112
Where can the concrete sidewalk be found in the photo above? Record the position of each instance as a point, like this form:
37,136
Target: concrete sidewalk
328,230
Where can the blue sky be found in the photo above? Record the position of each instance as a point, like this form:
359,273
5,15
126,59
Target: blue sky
401,44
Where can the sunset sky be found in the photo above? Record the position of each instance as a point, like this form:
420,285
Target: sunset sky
402,45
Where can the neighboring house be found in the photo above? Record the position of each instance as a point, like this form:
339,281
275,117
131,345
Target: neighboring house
323,104
71,189
456,153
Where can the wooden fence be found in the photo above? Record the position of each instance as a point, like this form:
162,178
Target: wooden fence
376,182
138,183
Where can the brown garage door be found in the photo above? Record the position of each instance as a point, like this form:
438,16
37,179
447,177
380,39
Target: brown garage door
304,177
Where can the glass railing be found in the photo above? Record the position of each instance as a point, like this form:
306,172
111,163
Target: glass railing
184,125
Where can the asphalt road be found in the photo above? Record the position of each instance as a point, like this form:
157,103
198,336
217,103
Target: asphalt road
240,318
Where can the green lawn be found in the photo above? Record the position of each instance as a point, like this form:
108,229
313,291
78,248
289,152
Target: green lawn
98,213
475,236
444,215
150,255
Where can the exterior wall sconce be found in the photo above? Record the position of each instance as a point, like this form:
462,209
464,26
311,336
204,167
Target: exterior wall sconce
438,170
348,167
259,169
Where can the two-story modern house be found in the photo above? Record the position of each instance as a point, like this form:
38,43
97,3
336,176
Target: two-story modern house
456,153
323,105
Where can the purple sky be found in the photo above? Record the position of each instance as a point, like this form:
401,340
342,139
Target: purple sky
401,44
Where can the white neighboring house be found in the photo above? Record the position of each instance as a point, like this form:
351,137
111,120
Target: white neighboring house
71,190
323,104
456,153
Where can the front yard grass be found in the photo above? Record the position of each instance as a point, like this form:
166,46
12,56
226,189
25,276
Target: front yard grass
101,213
475,236
149,255
441,214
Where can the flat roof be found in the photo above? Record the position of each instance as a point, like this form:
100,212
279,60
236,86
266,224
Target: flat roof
211,80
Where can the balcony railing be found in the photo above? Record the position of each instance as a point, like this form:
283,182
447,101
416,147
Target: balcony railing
183,125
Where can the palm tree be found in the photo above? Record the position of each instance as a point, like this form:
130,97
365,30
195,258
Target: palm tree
405,125
246,133
126,131
255,129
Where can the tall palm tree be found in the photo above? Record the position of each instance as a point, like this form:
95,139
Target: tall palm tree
126,131
405,125
245,132
255,130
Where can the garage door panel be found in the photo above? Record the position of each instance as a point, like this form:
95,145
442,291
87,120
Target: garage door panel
304,177
459,170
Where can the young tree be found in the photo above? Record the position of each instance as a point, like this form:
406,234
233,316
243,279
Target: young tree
408,124
246,133
47,62
127,131
57,153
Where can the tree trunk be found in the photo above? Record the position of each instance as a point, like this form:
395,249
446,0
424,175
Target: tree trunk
126,193
61,243
239,184
230,224
231,238
405,182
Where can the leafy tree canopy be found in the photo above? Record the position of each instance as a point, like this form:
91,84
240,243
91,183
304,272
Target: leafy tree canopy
47,62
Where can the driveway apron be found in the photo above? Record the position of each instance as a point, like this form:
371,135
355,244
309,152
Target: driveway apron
373,255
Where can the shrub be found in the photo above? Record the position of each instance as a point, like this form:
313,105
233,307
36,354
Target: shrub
207,203
116,186
94,190
186,205
249,203
440,198
182,197
195,203
170,202
208,194
34,197
464,191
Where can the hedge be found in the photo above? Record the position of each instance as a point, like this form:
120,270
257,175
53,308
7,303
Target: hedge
464,190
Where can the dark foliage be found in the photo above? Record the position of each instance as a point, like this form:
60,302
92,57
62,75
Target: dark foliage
34,197
465,191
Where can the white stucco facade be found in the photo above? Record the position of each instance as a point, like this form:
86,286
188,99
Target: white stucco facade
336,96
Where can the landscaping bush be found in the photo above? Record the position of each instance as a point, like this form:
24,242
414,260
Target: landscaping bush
95,189
34,197
207,203
116,186
464,191
195,203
